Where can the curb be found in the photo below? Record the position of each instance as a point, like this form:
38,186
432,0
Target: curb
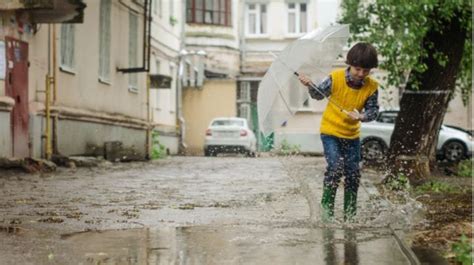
405,248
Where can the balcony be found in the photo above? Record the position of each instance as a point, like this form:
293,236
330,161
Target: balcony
47,11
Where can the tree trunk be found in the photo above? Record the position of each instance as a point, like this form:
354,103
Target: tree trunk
413,142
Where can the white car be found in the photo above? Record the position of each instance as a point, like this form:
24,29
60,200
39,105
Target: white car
453,145
229,135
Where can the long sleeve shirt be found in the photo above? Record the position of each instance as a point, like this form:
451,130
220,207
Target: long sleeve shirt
371,106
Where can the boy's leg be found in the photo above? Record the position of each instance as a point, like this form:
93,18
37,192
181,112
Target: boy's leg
352,177
332,176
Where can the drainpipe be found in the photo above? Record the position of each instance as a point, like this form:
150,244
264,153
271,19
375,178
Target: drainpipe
179,89
242,36
148,119
54,84
48,151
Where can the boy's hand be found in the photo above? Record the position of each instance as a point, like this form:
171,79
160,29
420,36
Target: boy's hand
356,115
304,80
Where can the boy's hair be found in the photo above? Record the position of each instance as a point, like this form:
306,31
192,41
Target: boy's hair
362,55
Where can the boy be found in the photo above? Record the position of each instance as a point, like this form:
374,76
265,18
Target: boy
353,90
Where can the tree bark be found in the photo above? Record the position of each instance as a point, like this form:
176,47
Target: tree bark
413,142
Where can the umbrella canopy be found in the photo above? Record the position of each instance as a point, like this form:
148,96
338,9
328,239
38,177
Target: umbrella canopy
280,93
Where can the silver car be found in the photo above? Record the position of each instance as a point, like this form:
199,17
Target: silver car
453,144
229,135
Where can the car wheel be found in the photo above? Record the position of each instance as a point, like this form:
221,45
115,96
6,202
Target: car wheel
373,150
251,154
210,152
454,151
207,152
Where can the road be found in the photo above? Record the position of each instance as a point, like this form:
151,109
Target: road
192,210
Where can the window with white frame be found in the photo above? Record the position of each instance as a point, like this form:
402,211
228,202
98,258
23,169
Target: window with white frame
67,46
244,111
171,9
133,50
256,19
297,18
104,40
213,12
160,7
244,92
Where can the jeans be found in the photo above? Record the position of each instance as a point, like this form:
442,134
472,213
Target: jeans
343,157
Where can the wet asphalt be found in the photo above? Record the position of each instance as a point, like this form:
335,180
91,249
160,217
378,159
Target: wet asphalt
194,210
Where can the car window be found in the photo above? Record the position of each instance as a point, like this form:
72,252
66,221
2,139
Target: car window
228,123
387,117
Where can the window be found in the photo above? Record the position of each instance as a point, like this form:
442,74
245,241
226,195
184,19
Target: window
155,7
67,46
104,40
297,18
171,10
244,111
387,116
133,50
228,122
213,12
160,7
256,19
244,92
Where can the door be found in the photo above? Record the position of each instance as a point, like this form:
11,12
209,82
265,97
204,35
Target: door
16,87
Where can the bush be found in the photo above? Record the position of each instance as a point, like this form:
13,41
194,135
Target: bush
289,149
463,250
158,150
464,169
399,182
436,187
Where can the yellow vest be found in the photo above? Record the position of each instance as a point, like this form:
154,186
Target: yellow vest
334,121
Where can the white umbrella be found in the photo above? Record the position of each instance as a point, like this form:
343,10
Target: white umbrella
280,93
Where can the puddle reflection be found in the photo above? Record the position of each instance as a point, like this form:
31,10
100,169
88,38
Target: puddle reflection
332,248
229,245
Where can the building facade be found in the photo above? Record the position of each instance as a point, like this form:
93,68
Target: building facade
95,105
166,44
210,65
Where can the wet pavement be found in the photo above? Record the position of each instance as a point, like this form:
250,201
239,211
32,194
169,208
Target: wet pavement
193,210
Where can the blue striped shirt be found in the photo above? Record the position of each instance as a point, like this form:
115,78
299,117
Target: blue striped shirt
371,106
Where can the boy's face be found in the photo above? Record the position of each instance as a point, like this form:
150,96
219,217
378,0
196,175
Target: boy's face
359,73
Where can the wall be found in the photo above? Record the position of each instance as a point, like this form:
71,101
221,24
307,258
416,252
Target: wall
5,134
216,99
80,88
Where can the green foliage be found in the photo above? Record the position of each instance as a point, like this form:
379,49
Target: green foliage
289,149
158,150
398,30
436,187
399,182
173,20
465,169
463,250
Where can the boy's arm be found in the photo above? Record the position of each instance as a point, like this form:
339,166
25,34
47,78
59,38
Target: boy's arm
324,87
371,108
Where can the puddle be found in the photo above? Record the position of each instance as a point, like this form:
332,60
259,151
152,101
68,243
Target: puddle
228,245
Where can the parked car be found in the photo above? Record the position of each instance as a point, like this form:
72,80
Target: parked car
229,135
453,144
